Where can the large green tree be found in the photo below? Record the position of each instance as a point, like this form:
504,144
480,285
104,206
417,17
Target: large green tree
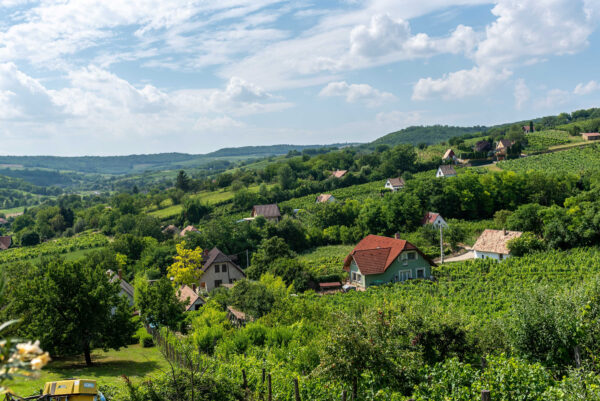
71,307
158,304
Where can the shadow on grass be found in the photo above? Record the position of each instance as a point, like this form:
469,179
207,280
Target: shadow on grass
75,368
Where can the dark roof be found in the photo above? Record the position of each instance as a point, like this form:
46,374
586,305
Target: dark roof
266,210
5,242
216,256
374,254
396,182
447,169
449,154
125,286
482,146
171,229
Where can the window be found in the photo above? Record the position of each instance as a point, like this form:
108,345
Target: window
420,273
218,283
411,256
404,275
203,285
358,277
224,268
217,268
500,256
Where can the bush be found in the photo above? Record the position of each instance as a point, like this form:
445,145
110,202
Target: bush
144,338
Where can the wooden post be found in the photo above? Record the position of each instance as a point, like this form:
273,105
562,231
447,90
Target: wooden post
483,363
244,378
343,395
296,390
263,376
354,388
269,391
485,395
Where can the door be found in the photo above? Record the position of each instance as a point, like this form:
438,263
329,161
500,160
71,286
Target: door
404,275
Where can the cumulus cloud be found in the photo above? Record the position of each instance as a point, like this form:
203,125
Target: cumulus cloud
585,89
521,94
459,84
356,93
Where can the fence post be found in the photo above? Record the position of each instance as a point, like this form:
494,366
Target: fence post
270,392
245,381
296,389
485,395
483,363
343,395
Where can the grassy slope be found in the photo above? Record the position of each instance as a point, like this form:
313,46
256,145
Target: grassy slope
134,361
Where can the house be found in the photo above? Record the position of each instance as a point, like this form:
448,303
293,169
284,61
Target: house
192,300
503,145
5,242
219,269
126,288
379,260
482,146
236,317
188,229
591,136
527,129
338,173
445,171
3,221
395,183
434,219
171,230
449,155
269,212
493,244
325,198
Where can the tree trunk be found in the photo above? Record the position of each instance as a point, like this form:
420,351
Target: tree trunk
88,354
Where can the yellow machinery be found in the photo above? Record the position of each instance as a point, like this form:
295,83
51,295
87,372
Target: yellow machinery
66,390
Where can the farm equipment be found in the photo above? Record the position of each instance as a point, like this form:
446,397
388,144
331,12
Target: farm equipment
65,390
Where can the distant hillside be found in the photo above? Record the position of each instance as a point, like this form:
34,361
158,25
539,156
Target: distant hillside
273,150
419,134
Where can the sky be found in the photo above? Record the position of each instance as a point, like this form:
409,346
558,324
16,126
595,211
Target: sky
108,77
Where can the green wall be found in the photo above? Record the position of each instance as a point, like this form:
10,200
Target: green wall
397,266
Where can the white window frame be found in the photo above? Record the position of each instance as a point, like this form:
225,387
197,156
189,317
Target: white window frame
411,253
403,273
419,270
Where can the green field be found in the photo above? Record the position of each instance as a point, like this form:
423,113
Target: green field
574,160
134,362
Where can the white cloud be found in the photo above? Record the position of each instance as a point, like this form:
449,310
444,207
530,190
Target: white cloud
399,119
356,93
585,89
459,84
216,124
553,99
521,94
382,36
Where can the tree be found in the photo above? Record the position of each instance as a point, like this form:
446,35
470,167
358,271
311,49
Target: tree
524,244
269,250
30,238
187,268
158,304
183,181
71,307
286,177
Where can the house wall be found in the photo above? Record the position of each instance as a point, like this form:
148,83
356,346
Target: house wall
490,255
209,276
439,221
391,275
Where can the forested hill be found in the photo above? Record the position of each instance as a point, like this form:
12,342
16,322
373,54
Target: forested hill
420,134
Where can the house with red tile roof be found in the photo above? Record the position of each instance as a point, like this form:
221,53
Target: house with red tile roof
192,300
590,136
379,260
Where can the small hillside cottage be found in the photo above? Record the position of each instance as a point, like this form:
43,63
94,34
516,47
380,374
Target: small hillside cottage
219,269
325,198
449,155
434,219
338,173
5,242
192,300
445,171
395,183
269,212
188,229
126,289
503,145
378,260
493,244
591,136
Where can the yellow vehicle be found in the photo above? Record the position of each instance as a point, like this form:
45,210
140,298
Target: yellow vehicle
66,390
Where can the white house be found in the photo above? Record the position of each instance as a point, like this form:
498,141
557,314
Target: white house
445,171
395,183
492,244
434,219
219,269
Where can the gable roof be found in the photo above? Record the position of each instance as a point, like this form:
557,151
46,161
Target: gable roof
396,182
339,173
266,210
481,146
186,294
504,143
125,286
495,241
188,229
449,154
374,253
324,198
171,229
216,256
447,169
590,134
5,242
429,218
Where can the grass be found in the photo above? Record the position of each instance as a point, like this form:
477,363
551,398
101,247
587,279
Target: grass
134,361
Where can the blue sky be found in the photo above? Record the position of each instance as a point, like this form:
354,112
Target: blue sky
98,77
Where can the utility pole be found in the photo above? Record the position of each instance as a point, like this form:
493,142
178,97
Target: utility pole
441,244
247,259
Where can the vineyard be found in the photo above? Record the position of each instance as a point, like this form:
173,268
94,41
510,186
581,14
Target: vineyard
59,246
358,192
543,140
574,160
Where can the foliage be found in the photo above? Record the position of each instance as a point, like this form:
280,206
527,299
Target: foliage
187,267
158,303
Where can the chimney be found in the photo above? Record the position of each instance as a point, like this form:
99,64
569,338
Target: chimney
120,274
194,287
505,231
397,235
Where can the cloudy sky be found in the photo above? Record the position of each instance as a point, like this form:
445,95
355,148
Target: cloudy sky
100,77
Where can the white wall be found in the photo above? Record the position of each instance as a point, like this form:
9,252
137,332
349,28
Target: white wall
209,276
489,255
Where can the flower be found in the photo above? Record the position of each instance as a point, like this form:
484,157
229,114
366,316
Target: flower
40,361
29,348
